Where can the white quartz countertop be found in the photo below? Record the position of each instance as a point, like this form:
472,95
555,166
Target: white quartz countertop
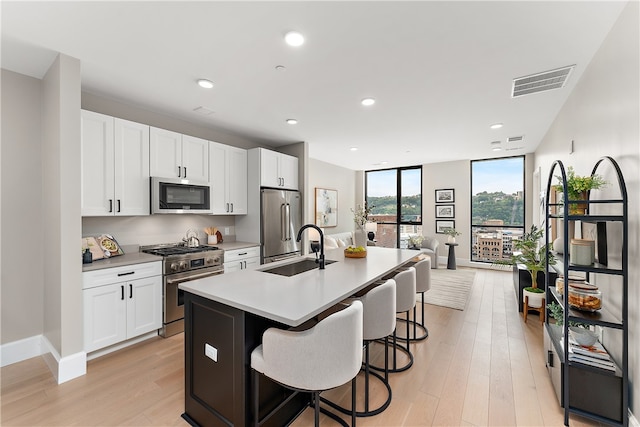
296,299
121,260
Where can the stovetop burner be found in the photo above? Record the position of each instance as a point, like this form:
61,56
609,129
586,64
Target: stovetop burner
177,250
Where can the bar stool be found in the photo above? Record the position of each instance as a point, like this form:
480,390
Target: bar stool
379,321
405,301
313,360
423,284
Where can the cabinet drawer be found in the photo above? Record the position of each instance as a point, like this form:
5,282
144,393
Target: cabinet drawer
91,279
240,254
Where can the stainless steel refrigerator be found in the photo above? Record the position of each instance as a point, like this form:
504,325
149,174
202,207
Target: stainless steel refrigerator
279,224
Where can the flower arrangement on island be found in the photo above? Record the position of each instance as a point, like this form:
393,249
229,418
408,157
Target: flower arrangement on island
361,215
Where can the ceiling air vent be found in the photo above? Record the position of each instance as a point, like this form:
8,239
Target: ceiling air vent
554,79
513,139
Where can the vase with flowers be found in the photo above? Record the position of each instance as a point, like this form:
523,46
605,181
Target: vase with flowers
452,233
360,218
578,188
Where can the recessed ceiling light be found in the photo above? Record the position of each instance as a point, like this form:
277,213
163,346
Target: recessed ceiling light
496,126
368,101
292,121
383,163
353,148
294,38
207,84
496,149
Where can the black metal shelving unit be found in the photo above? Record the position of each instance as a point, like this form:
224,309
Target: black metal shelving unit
583,388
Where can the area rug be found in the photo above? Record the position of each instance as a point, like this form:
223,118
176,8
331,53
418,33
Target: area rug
450,288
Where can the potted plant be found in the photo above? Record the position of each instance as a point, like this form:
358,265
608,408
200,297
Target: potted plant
533,256
452,233
578,188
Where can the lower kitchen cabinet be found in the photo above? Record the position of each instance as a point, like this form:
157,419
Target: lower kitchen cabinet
122,309
241,259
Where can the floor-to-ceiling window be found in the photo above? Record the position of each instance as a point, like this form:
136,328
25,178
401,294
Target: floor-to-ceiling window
395,199
497,207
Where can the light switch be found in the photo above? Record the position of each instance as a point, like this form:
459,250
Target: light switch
211,352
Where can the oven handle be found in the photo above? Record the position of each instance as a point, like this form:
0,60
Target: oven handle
194,277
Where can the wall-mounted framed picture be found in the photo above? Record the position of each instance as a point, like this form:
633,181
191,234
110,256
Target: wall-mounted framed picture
326,207
445,211
446,195
441,226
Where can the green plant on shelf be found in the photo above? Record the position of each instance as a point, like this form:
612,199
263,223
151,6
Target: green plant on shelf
557,313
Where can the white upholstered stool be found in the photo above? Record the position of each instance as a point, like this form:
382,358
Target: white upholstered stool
405,301
423,284
379,321
320,358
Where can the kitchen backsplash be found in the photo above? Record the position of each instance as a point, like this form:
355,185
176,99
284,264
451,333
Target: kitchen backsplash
154,229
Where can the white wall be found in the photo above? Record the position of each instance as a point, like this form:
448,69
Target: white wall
444,175
326,175
602,118
22,279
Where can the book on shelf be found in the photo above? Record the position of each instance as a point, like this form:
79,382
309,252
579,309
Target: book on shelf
595,355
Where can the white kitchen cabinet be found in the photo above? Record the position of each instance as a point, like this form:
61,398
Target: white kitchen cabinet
115,166
278,170
174,155
121,303
228,173
241,259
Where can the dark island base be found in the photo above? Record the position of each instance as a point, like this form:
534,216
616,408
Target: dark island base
219,393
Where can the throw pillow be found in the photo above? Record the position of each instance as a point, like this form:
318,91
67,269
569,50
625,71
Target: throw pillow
330,242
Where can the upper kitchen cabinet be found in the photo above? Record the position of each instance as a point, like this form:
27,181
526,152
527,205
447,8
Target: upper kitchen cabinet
228,174
115,166
174,155
278,170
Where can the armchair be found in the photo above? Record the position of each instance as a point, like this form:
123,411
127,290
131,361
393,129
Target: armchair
430,247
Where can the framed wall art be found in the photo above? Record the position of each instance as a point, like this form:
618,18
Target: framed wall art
445,195
445,211
326,207
441,226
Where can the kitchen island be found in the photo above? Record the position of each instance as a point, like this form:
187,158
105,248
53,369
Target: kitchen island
226,315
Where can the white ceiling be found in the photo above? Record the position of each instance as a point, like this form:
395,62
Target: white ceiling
441,72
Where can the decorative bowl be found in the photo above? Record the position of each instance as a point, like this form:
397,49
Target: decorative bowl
355,254
584,337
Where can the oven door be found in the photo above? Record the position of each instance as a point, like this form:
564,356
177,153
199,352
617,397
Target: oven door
173,298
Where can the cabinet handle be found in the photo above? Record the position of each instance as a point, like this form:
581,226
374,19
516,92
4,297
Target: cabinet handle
185,171
128,273
179,172
110,205
130,291
118,205
231,207
245,264
244,253
122,292
227,207
550,358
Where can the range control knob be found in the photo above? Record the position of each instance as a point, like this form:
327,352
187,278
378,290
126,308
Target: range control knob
174,267
208,261
183,265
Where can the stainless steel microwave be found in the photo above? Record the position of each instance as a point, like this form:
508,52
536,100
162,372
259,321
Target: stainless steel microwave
180,196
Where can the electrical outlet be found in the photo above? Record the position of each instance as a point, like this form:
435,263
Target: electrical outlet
227,231
211,352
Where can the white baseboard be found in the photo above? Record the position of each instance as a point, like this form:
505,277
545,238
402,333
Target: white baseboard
65,368
20,350
115,347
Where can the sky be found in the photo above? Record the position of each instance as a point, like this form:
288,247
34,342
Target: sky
504,175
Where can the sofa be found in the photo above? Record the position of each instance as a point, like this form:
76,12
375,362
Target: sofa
337,240
430,247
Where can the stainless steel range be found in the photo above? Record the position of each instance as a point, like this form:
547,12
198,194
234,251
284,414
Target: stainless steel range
181,264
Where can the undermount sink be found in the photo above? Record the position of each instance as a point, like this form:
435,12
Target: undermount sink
296,267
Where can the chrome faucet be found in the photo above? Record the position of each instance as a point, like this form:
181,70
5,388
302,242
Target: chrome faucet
320,260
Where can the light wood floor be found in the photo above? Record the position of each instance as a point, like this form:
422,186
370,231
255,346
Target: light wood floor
479,367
